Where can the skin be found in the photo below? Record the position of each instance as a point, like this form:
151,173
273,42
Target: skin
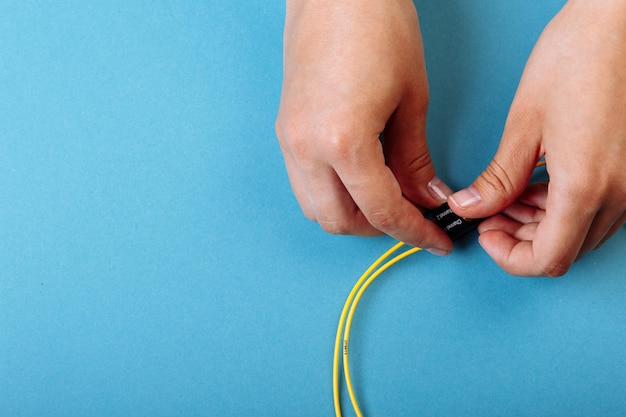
571,108
353,69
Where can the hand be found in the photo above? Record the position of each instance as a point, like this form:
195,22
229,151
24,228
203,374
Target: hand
571,107
353,69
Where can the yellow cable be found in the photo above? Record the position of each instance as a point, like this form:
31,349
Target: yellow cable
348,326
348,310
342,319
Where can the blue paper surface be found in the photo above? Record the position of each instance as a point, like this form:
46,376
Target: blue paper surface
154,262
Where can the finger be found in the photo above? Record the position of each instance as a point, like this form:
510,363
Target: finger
498,222
523,213
333,207
376,192
502,247
323,198
604,225
520,231
556,243
407,153
506,177
535,195
530,207
298,185
612,230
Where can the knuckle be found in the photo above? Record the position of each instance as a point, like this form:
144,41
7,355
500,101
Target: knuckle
381,219
308,214
497,178
339,145
292,136
555,269
420,162
420,165
284,126
278,128
335,227
335,142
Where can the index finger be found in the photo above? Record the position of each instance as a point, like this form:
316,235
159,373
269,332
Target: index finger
375,190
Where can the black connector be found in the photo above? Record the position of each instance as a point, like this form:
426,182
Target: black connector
455,226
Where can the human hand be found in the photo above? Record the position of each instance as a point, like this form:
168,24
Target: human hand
353,69
571,108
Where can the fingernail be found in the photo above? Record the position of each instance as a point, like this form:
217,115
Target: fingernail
466,198
438,252
438,189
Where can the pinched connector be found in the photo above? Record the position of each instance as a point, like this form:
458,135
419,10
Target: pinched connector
455,226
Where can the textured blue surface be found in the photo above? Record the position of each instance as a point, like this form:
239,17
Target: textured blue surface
153,261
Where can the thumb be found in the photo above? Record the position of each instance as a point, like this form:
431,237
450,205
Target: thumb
408,156
501,183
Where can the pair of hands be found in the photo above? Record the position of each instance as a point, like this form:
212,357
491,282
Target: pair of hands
355,69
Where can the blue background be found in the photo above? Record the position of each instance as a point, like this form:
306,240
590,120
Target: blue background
154,262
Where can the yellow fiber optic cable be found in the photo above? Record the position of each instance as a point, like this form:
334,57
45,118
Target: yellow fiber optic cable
348,311
342,319
348,326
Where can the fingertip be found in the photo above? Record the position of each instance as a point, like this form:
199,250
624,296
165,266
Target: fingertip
439,190
401,220
438,251
432,239
467,203
503,180
466,198
506,252
496,243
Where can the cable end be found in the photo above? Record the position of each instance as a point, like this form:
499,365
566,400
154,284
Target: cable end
455,226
